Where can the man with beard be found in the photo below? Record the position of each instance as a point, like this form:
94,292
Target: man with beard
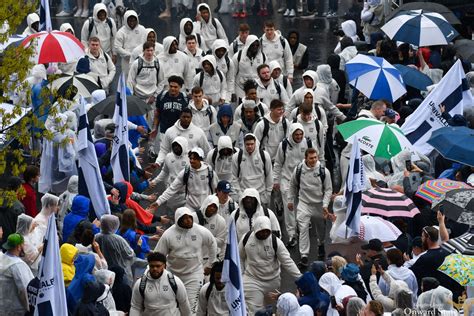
159,292
212,295
268,88
262,255
183,244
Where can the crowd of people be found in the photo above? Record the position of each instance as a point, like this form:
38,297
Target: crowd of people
230,137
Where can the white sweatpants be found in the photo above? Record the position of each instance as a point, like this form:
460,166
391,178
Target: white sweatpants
256,292
344,167
193,283
305,214
290,216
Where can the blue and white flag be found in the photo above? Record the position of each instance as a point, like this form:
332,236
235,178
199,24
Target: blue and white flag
51,298
355,184
119,158
453,92
232,276
90,179
45,16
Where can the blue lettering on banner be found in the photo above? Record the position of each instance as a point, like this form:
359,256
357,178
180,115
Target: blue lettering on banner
237,303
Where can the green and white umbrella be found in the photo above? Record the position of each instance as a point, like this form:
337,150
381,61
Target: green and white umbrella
377,138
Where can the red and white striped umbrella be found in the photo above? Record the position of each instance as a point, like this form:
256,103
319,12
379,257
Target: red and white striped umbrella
387,203
55,46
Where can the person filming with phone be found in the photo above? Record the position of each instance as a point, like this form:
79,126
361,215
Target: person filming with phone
375,255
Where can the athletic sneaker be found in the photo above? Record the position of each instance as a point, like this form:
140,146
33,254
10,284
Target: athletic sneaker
293,242
64,14
292,13
287,12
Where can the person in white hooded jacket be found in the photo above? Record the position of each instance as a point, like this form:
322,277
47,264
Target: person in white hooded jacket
276,47
145,76
209,217
327,83
290,152
209,27
129,36
309,194
149,36
102,66
212,300
249,209
212,81
225,126
175,161
188,27
310,78
183,127
262,255
268,88
246,62
67,68
175,62
204,114
32,21
183,244
252,168
197,179
102,27
277,75
225,64
349,28
220,158
158,298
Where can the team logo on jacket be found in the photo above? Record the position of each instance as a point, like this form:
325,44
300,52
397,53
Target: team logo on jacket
212,226
193,237
190,136
176,60
203,177
165,288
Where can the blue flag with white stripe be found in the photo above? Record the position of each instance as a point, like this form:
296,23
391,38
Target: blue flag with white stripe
45,16
232,276
453,92
51,295
90,179
120,159
355,184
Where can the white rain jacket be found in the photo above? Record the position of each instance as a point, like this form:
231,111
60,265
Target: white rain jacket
274,50
138,51
289,88
349,28
175,64
214,86
274,90
314,130
259,258
223,164
276,134
216,305
226,65
327,83
216,131
30,19
208,31
204,117
173,164
101,29
148,82
182,35
252,173
312,190
184,247
244,224
127,39
102,68
216,224
193,134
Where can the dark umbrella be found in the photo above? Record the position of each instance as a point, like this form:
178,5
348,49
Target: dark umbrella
426,6
463,244
413,77
454,143
135,106
457,205
85,84
465,49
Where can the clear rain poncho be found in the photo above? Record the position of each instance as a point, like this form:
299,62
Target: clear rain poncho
32,240
65,200
49,205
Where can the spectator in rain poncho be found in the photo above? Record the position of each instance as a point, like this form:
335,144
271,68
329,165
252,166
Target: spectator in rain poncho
49,205
65,201
58,156
106,278
395,286
116,249
330,283
439,299
354,307
121,291
68,256
287,305
33,243
403,300
339,210
87,245
372,176
89,304
96,97
310,293
75,291
326,83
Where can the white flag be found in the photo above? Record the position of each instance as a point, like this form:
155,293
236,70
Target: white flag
355,184
119,159
232,276
51,299
453,92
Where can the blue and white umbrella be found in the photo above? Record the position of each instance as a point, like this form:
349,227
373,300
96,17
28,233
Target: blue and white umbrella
420,28
14,40
375,77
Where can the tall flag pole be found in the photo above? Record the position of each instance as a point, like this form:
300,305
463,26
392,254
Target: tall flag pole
120,156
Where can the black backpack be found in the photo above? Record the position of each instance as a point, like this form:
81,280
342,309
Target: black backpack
239,56
274,241
171,280
265,212
266,128
299,170
201,77
316,124
285,143
91,26
187,172
156,66
260,109
239,161
216,152
202,220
